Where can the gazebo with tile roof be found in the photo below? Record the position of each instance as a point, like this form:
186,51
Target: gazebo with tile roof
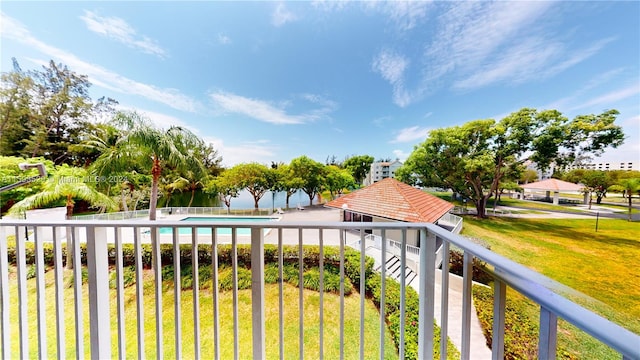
391,200
556,186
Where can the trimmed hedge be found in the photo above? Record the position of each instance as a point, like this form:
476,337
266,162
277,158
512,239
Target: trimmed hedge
520,334
456,266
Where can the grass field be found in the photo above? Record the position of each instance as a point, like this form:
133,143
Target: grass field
291,335
602,265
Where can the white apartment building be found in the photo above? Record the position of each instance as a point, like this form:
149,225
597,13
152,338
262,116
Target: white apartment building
613,165
381,170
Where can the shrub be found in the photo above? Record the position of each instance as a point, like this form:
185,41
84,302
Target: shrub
520,334
456,266
128,277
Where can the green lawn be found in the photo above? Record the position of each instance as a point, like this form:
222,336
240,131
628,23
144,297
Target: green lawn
602,265
311,323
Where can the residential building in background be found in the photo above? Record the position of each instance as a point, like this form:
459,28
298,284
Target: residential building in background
382,170
605,166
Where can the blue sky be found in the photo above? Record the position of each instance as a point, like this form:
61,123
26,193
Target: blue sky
270,81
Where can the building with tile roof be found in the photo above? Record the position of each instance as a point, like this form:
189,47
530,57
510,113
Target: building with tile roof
391,200
556,186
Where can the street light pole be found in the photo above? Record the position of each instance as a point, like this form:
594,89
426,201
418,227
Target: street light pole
42,173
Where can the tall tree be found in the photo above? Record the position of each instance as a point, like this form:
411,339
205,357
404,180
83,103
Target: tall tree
594,181
473,158
153,148
358,166
312,174
629,187
290,183
224,187
336,180
61,107
15,110
251,176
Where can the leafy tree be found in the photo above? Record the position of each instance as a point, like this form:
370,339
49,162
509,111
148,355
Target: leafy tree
251,176
528,175
594,182
61,107
472,159
68,184
15,110
312,174
46,111
289,182
336,180
153,148
358,166
628,187
224,187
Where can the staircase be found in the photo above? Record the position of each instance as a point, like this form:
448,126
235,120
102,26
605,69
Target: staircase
393,269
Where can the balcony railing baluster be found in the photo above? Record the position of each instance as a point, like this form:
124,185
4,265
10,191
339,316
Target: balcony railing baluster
499,304
195,285
41,297
444,301
120,293
467,271
22,295
177,293
59,294
139,291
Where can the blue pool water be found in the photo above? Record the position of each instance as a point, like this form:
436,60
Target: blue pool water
220,231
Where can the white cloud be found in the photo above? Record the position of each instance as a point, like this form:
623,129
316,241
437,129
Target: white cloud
402,155
482,43
392,67
275,114
610,97
281,15
99,76
117,29
224,39
405,14
413,133
260,151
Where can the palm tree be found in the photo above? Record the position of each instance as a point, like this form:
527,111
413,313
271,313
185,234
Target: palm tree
153,148
630,187
68,184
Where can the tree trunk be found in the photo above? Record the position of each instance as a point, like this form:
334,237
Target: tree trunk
287,200
481,207
153,201
310,199
193,193
70,244
630,207
124,202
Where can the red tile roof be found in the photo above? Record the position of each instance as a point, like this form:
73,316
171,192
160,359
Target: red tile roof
552,185
392,199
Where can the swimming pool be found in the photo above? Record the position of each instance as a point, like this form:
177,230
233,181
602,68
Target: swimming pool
220,231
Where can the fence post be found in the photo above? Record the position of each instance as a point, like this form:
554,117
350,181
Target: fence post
427,296
257,293
99,313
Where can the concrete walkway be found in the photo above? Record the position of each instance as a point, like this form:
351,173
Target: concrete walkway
479,349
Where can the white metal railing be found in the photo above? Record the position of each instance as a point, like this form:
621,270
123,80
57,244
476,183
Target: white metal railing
507,274
454,221
134,214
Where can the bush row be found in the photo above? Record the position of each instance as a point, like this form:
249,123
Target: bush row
520,333
456,266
